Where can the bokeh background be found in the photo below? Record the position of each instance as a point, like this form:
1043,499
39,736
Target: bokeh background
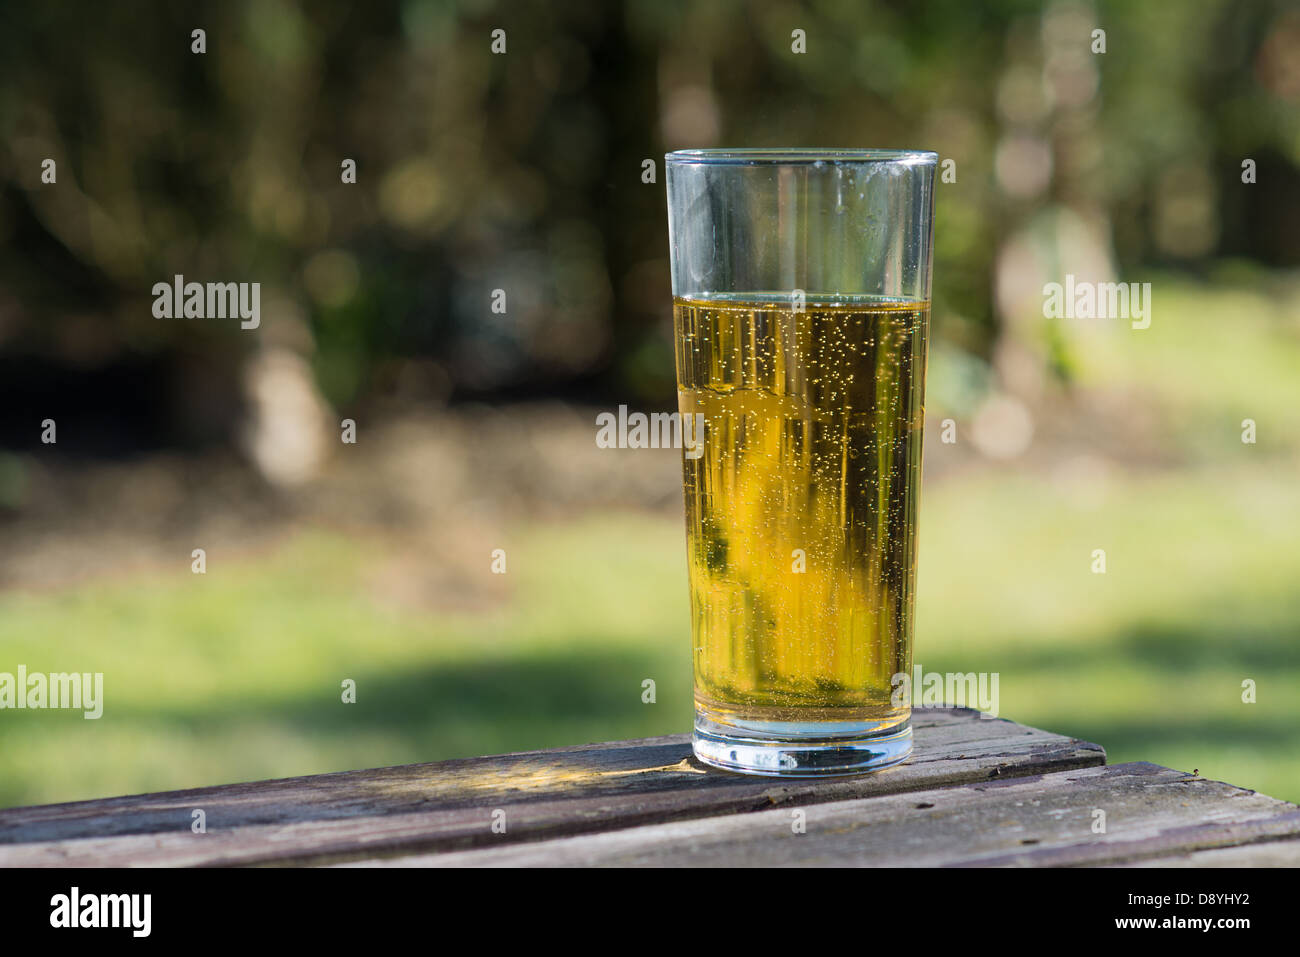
522,171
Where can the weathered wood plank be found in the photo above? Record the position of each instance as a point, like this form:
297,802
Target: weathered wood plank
1261,854
1047,820
450,804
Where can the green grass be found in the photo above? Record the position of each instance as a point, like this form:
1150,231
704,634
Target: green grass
1210,358
235,675
1147,659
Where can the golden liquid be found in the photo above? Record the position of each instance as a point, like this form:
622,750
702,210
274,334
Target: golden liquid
812,447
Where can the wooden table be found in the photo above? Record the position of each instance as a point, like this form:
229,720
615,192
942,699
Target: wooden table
977,792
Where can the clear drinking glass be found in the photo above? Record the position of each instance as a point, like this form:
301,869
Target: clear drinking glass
801,303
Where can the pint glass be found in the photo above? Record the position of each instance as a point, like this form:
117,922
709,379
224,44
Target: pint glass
801,302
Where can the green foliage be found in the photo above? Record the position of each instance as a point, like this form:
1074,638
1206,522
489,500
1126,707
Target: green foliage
476,171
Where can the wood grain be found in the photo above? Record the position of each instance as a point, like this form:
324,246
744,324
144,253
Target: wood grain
1151,813
544,794
1284,853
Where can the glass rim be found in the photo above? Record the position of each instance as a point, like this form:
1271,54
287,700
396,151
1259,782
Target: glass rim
799,157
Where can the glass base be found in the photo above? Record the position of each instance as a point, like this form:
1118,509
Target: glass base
800,749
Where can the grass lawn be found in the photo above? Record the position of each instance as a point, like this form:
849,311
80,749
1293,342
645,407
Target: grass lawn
236,674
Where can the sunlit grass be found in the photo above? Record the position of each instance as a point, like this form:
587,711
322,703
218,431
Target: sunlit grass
1149,658
236,674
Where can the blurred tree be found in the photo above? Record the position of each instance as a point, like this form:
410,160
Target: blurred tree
521,171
